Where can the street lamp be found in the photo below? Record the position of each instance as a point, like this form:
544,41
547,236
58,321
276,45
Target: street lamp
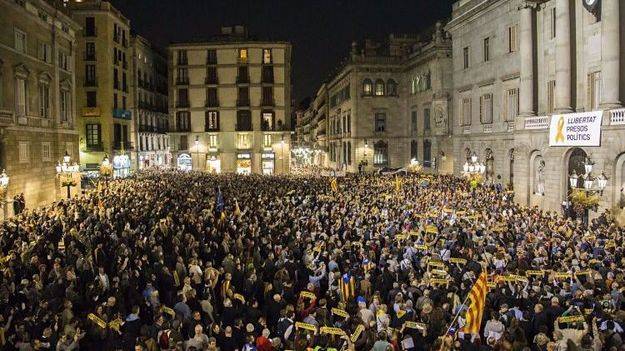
4,185
106,169
197,146
66,171
282,152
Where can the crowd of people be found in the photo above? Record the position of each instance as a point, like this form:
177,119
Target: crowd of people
189,261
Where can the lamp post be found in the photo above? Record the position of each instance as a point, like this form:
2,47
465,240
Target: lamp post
282,153
65,171
197,145
106,169
586,196
4,185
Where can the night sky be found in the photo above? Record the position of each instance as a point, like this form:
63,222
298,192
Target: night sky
321,31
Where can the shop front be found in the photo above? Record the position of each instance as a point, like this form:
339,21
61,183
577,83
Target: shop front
213,164
268,163
244,163
184,162
121,166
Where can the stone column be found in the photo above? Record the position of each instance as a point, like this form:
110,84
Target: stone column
610,47
526,88
563,57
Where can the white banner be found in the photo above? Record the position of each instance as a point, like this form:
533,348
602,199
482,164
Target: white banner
576,129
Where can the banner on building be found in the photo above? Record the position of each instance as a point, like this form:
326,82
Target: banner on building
576,129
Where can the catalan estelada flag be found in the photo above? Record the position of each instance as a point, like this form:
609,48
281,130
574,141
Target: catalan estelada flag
476,308
334,185
348,287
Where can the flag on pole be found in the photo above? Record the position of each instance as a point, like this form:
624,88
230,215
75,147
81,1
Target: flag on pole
347,284
334,185
476,308
219,202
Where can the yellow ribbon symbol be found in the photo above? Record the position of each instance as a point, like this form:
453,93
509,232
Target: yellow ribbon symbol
560,134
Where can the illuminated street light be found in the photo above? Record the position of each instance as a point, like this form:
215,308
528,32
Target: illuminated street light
65,171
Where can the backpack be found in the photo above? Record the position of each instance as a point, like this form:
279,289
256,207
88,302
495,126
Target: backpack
163,339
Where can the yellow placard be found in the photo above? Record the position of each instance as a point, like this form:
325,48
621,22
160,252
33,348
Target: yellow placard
437,264
439,272
421,247
415,325
458,260
563,275
239,297
339,312
571,319
535,272
97,320
586,272
176,279
305,326
438,281
115,324
359,329
332,331
491,284
307,294
431,229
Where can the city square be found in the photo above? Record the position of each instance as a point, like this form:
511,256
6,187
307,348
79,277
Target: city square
329,175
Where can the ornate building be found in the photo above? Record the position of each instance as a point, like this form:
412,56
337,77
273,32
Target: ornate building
230,104
37,89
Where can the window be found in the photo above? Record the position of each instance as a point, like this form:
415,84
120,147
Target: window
65,105
243,75
379,87
267,121
466,112
267,96
45,52
414,148
90,51
553,22
115,105
243,55
20,41
512,38
115,78
123,102
349,152
90,26
213,141
367,87
64,61
244,141
211,75
90,76
426,119
94,137
267,76
124,82
20,100
244,121
267,140
92,100
427,153
380,122
594,90
244,96
465,57
183,76
212,121
486,49
391,88
46,155
486,109
212,100
44,100
23,152
511,104
183,121
267,56
182,57
413,122
183,98
551,91
183,143
380,153
211,56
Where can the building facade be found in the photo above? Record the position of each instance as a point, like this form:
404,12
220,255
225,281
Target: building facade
387,107
522,69
37,89
104,73
230,104
150,111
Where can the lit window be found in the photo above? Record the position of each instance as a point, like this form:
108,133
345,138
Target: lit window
243,55
367,87
266,56
379,87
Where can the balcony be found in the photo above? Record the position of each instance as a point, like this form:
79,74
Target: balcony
488,128
538,122
91,83
243,102
91,112
617,117
120,113
243,127
6,117
182,104
119,145
211,103
181,130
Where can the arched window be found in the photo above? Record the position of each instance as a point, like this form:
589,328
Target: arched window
414,149
367,87
380,153
427,153
391,87
379,87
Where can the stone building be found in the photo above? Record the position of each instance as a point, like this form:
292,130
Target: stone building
388,105
523,68
230,104
103,73
150,111
37,88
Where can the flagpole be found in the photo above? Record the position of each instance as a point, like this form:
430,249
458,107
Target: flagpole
456,316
